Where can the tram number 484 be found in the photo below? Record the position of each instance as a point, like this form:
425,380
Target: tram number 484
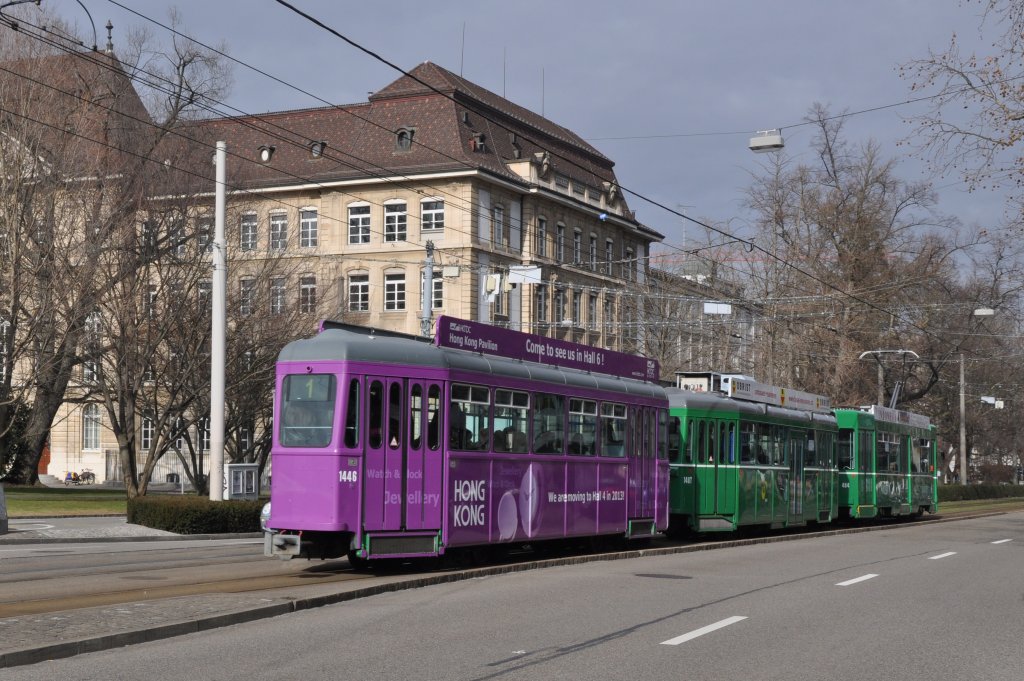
348,476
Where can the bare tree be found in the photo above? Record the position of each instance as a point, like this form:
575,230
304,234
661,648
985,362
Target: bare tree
854,253
976,118
81,146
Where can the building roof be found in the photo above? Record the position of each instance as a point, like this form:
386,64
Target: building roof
78,112
456,126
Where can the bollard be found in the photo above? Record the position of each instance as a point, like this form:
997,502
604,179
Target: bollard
3,511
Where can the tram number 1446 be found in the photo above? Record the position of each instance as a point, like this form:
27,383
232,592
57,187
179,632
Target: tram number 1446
348,476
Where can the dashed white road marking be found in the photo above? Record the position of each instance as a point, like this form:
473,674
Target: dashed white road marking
947,554
855,580
1002,541
703,630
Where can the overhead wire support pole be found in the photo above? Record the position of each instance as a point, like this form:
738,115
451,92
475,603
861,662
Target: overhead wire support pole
218,340
428,291
963,424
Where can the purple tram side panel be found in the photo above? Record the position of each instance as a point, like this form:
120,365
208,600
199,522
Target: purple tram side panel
516,499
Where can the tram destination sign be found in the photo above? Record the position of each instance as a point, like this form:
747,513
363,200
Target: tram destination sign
493,340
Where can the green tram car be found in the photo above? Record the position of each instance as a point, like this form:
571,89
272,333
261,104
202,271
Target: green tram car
745,453
886,459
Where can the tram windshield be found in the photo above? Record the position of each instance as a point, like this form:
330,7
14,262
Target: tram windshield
307,410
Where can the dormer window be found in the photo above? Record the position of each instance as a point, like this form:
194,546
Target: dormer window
266,153
403,138
317,149
476,143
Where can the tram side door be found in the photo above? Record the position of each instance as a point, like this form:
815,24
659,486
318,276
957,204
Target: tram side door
385,461
707,480
797,445
725,468
424,468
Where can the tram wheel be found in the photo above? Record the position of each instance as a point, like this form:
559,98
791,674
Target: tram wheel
358,564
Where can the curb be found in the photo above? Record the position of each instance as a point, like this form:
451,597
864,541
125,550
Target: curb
65,649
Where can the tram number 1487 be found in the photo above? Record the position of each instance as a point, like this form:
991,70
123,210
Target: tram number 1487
348,476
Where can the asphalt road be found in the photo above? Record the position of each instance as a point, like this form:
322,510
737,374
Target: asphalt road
929,601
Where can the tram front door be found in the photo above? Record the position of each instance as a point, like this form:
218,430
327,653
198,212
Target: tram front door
402,472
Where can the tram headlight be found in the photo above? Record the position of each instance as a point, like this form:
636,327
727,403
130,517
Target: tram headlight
264,516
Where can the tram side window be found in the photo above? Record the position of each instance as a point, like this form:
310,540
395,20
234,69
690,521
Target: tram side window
730,443
675,439
433,417
825,447
810,453
702,441
613,429
416,416
863,453
395,415
307,410
884,452
376,404
748,443
548,424
779,436
919,459
352,415
582,427
510,420
669,439
469,423
844,449
690,443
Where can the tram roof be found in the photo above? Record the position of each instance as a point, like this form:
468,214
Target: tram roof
710,401
358,344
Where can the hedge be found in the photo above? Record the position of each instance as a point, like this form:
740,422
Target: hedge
969,492
195,515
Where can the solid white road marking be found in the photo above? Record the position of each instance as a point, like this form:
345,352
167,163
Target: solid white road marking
947,554
703,630
857,579
1002,541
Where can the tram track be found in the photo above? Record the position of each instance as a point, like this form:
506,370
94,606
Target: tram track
333,572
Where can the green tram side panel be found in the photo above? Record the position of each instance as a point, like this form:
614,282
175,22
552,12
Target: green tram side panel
723,495
867,492
857,483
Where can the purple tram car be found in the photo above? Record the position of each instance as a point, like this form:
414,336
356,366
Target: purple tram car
391,446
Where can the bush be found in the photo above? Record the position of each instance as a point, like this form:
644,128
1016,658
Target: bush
970,492
195,515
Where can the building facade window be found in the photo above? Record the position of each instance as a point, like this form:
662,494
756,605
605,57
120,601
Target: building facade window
149,301
204,234
609,315
627,264
205,295
395,222
394,292
359,224
498,225
577,247
90,372
278,290
542,238
176,235
5,331
359,292
278,231
246,292
540,293
593,252
249,234
431,215
146,434
609,255
577,304
560,243
558,311
309,229
592,312
91,421
307,294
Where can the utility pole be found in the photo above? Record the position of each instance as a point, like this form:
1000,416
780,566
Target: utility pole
963,424
428,291
218,340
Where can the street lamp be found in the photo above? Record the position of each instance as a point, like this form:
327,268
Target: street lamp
978,312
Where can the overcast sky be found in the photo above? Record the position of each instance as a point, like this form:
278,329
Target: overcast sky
710,74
